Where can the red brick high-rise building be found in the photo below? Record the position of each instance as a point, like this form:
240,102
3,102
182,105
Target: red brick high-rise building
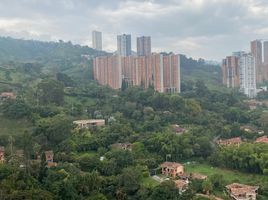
265,58
107,71
256,50
159,70
230,72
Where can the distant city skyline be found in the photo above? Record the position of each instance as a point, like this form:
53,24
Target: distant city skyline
247,70
197,28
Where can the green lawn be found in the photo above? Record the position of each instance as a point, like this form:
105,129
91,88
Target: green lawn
13,127
228,175
149,182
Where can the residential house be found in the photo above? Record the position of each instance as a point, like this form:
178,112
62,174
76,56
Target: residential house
2,154
50,159
182,185
7,95
242,192
87,123
232,141
122,146
172,169
263,139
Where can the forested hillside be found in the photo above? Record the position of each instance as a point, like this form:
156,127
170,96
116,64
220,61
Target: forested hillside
46,156
30,50
74,60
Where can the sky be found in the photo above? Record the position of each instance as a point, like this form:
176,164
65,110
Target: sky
209,29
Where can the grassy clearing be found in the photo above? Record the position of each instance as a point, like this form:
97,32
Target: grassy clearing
228,175
149,182
13,127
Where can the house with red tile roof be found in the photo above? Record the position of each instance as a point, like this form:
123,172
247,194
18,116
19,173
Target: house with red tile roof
263,139
239,191
7,95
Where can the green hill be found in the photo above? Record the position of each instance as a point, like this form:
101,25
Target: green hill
75,61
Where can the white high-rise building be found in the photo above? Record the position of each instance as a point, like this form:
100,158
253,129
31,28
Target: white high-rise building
247,75
97,40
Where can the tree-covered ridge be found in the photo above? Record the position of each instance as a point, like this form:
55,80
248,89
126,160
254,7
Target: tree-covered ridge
30,50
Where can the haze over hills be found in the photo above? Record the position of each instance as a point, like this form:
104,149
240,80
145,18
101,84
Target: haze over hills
74,60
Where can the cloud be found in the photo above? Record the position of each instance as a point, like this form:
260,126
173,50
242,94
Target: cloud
210,29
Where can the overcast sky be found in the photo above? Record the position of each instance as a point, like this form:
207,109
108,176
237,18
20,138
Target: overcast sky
210,29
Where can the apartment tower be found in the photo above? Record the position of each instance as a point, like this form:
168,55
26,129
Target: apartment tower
248,75
256,50
97,40
144,46
159,70
107,71
124,45
265,58
230,71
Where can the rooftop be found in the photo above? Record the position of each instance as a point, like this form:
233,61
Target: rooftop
181,184
8,95
263,139
49,152
241,189
171,164
85,121
231,141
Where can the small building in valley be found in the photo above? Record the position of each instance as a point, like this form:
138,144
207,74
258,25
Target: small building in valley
172,169
87,123
239,191
7,95
232,141
50,159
